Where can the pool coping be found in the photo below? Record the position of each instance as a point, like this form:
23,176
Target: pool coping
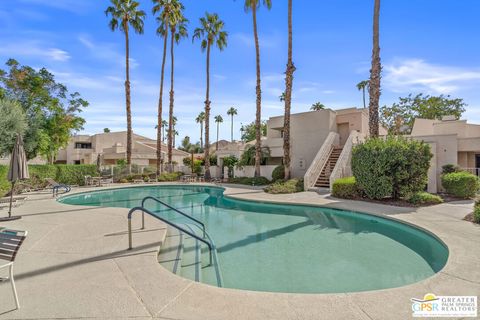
200,301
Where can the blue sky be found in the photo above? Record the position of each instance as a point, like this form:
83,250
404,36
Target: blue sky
427,46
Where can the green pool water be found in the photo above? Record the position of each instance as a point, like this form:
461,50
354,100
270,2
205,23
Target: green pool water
292,248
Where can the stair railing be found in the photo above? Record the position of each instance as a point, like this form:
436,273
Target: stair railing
320,160
343,167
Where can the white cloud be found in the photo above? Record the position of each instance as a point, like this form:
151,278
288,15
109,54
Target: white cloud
34,49
416,74
74,6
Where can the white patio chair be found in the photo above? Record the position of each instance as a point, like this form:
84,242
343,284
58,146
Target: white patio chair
10,242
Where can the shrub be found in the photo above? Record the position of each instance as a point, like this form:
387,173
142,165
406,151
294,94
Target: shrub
461,184
424,198
75,174
392,167
168,177
4,184
230,163
260,181
283,187
476,212
278,173
345,188
450,168
123,181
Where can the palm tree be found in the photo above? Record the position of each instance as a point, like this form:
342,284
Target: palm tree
164,126
253,5
175,134
126,14
178,30
232,112
363,85
218,120
375,73
288,95
200,119
317,106
210,33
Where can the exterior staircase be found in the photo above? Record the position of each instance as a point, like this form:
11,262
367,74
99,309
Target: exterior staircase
323,180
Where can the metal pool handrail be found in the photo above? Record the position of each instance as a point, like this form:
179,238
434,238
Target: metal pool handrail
174,209
129,217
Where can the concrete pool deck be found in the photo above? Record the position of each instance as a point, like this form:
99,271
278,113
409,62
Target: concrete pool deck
74,264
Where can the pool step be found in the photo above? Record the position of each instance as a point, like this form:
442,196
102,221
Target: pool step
171,252
191,259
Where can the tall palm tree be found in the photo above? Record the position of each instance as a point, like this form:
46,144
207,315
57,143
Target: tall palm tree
317,106
126,14
201,119
168,11
178,30
232,112
375,73
253,5
218,120
164,126
288,95
363,86
210,33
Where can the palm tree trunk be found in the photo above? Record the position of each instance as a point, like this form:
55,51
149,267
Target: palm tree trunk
288,96
375,74
232,129
218,128
364,102
160,127
127,95
258,116
170,111
201,134
207,118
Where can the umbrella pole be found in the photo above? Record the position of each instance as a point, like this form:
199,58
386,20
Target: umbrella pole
11,200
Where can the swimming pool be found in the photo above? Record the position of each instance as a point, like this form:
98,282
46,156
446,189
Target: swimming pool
291,248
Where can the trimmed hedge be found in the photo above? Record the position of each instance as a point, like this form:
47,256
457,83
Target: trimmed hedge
461,184
4,184
393,167
345,188
75,174
278,173
168,177
284,187
424,198
260,181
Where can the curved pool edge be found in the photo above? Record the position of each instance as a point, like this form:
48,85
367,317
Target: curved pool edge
229,192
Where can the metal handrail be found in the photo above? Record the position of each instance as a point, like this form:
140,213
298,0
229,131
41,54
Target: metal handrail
174,209
129,217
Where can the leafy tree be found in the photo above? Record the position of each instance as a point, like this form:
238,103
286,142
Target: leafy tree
13,121
52,112
218,120
211,33
230,162
254,5
126,14
363,86
400,116
106,130
248,156
248,131
317,106
375,74
201,119
232,112
288,94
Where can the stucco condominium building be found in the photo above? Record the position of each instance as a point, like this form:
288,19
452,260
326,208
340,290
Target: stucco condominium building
453,142
85,149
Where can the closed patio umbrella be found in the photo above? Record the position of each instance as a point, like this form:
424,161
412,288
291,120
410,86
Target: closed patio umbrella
18,171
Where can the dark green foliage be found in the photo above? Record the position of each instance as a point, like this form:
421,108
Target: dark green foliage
450,168
38,174
424,198
278,173
392,167
259,181
4,184
476,212
168,177
230,162
75,174
284,187
345,188
248,156
248,131
461,184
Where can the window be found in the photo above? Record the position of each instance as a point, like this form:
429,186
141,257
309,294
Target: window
83,145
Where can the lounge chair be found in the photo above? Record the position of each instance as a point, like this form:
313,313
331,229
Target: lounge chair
57,186
10,242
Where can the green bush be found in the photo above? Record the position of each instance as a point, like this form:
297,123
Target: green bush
450,168
461,184
392,167
75,174
345,188
260,181
4,184
424,198
476,212
278,173
283,187
168,177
